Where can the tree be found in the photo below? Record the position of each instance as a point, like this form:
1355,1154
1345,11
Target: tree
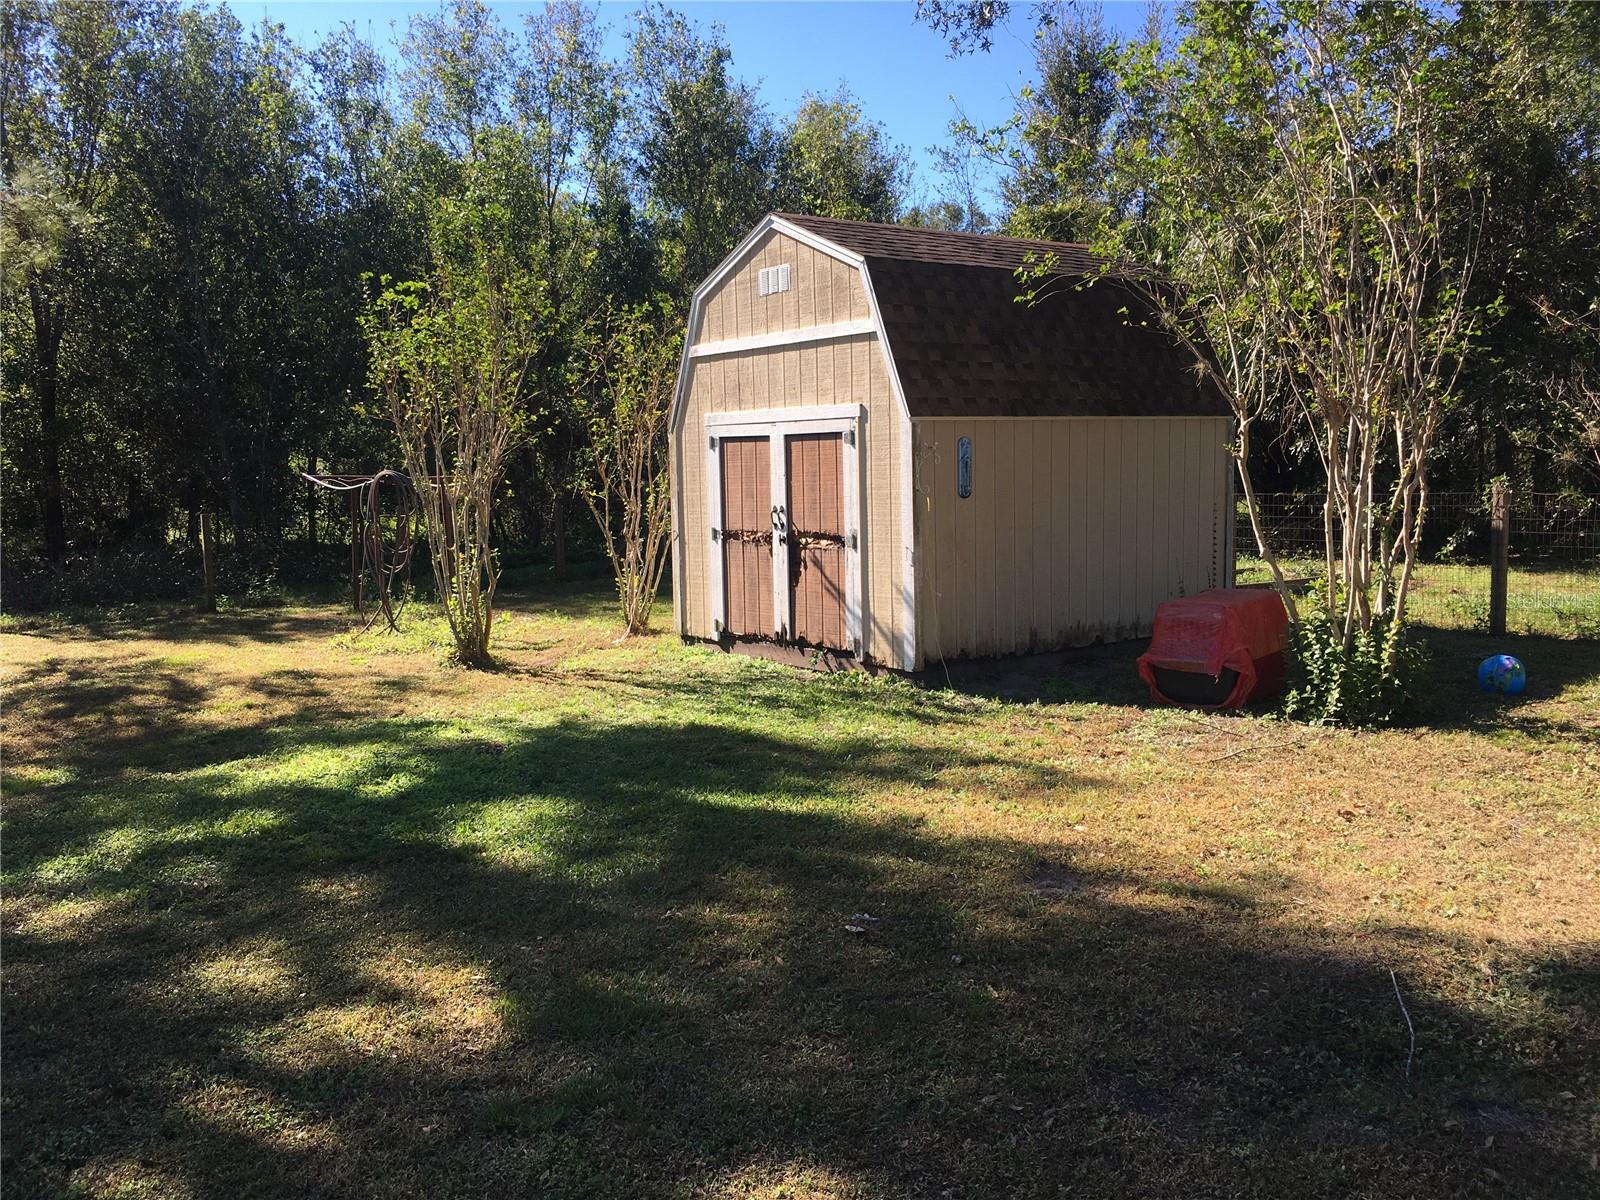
969,24
456,71
1534,145
948,215
568,104
1304,194
706,155
837,164
63,78
1574,392
451,358
959,208
627,489
1053,153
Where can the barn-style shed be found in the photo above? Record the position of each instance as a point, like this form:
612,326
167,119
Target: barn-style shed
877,451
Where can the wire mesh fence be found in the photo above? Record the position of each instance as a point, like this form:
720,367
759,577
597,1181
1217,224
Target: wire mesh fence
1553,580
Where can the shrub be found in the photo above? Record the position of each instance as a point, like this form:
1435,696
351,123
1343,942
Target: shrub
140,573
1329,684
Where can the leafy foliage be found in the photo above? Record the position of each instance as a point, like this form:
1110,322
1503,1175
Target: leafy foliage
1372,678
191,208
451,356
838,164
626,485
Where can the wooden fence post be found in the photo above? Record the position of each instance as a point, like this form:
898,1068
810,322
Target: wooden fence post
1499,554
208,561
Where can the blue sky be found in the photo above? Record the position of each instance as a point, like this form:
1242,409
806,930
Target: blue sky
900,71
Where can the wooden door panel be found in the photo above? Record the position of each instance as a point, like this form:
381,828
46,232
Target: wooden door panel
747,534
816,539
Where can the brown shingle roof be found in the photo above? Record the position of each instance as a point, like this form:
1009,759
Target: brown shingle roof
941,245
964,347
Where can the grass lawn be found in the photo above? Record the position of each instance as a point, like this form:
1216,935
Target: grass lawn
1554,599
290,913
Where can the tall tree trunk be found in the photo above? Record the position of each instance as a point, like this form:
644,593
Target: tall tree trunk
48,316
1505,450
311,501
192,504
211,394
558,534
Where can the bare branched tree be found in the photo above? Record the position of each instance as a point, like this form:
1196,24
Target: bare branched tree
627,486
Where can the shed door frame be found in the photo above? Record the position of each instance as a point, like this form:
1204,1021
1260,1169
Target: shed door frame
779,424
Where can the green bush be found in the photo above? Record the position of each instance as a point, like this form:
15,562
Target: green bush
1329,684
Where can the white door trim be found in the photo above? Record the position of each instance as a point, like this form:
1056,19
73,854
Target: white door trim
778,425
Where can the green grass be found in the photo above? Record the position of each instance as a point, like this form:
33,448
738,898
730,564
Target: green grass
290,911
1544,601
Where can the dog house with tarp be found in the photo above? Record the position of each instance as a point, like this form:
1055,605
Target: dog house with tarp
1219,649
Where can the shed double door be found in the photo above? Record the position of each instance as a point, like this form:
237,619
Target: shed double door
787,536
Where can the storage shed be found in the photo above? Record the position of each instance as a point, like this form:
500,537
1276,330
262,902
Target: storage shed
876,451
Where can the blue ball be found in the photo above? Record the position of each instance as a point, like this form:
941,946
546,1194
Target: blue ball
1502,673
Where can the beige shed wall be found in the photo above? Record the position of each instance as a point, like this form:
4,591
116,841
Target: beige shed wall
822,291
851,370
1075,530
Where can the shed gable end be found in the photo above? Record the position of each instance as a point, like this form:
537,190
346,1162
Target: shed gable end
822,290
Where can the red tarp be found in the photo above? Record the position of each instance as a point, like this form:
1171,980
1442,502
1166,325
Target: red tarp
1239,629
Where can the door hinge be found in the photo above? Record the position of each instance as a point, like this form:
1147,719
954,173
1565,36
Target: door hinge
850,435
712,439
716,534
853,541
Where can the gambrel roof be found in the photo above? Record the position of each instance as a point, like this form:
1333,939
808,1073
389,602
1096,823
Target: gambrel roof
964,346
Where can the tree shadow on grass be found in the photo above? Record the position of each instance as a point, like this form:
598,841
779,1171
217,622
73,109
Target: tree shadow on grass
673,957
1450,697
180,623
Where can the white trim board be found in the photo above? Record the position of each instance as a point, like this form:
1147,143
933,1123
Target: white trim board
1090,417
784,337
827,413
907,549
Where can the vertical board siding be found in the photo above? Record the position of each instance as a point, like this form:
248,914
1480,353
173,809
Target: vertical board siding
1093,618
747,510
1077,528
965,530
816,508
823,291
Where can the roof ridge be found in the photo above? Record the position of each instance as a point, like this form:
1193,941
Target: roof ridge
929,231
913,243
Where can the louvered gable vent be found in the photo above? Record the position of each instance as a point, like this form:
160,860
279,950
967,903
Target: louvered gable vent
771,280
